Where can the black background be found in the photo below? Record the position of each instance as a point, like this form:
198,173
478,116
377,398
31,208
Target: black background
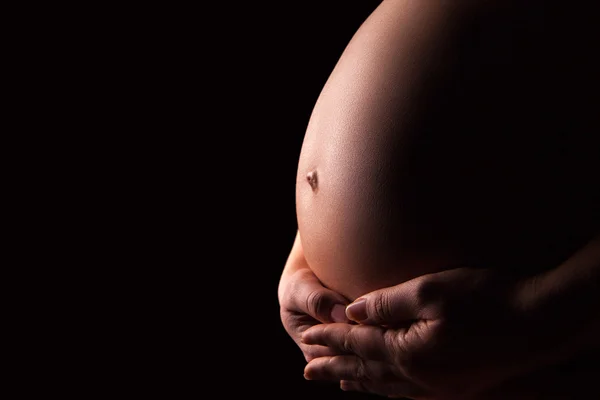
177,132
226,101
285,55
206,112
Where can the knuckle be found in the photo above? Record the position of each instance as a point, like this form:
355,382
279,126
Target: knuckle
406,352
348,342
400,353
430,295
290,325
284,315
396,343
362,372
381,307
314,302
308,352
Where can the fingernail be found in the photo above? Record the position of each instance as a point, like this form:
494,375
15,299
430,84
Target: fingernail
303,338
347,386
338,313
307,375
357,311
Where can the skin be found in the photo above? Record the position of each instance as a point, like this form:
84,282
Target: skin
344,210
304,302
348,184
407,345
418,154
446,343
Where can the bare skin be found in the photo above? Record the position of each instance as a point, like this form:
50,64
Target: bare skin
463,333
534,358
434,143
305,302
348,203
365,224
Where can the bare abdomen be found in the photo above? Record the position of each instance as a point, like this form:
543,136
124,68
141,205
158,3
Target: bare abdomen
406,169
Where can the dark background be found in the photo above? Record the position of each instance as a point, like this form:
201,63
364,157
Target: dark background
168,145
285,57
227,93
176,132
202,119
271,63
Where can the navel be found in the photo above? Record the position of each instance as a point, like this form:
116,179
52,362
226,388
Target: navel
311,178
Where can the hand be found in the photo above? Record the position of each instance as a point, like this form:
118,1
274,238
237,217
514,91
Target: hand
304,302
575,379
449,335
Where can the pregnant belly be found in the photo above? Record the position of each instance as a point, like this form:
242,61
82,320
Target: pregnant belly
374,219
369,220
395,179
357,237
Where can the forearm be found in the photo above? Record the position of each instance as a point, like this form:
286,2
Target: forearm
562,305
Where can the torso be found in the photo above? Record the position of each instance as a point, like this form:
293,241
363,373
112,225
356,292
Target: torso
416,160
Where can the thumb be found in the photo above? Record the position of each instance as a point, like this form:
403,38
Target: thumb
389,306
312,298
326,306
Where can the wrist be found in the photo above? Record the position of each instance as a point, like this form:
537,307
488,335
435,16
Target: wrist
558,307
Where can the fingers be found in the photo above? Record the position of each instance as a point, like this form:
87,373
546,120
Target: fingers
359,375
348,367
312,352
367,342
419,298
295,324
300,291
308,296
304,302
390,306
